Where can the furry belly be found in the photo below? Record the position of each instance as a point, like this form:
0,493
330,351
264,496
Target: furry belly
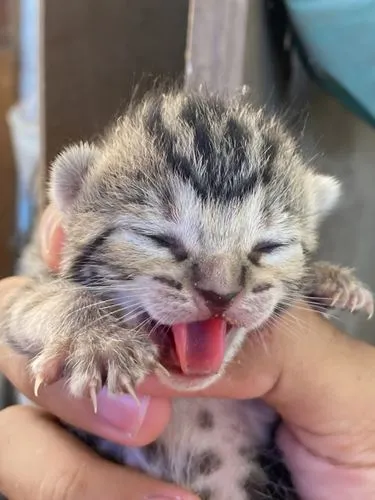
211,447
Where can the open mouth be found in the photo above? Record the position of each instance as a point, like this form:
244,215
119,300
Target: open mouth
192,349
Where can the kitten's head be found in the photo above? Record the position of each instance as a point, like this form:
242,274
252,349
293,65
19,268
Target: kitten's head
196,214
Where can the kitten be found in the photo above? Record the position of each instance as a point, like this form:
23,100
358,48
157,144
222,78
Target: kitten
189,225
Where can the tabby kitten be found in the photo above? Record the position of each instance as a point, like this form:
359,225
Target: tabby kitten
190,225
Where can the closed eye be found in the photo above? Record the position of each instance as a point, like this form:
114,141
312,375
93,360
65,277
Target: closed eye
268,246
171,243
264,248
163,240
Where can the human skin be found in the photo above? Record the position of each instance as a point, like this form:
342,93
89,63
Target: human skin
320,380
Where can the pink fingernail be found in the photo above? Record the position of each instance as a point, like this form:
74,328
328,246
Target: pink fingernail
171,497
158,497
123,412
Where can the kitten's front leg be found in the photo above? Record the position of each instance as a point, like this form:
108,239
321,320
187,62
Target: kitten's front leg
66,332
337,287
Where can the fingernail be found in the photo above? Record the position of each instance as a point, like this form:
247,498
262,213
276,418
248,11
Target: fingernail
171,497
50,220
158,497
123,412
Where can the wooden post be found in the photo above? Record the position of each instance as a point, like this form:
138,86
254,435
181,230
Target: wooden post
229,46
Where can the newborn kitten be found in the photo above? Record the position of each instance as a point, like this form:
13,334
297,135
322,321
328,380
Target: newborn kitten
189,226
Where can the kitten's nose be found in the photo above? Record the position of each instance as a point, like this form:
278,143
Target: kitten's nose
217,302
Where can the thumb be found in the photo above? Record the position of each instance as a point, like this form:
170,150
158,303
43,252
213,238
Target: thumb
51,237
325,389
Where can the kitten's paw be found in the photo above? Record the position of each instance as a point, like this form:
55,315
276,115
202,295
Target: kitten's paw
118,359
338,288
354,297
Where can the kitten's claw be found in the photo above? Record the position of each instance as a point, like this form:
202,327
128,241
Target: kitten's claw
354,305
370,309
130,389
93,397
336,298
39,380
161,369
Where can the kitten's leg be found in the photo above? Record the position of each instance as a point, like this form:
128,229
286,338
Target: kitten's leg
67,332
337,287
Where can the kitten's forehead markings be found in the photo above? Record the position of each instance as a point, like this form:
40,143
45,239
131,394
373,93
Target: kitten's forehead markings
236,225
183,135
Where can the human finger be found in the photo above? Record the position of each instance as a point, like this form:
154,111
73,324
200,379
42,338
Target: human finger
40,460
51,237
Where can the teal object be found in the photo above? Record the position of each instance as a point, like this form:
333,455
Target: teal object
336,41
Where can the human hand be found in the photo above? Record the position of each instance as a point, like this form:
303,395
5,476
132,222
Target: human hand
40,460
316,377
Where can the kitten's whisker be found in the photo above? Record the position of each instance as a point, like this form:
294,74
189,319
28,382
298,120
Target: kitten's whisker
98,305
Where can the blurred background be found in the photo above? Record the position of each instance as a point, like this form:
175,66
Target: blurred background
68,67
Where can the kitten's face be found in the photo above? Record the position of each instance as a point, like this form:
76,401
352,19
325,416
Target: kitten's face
209,259
192,211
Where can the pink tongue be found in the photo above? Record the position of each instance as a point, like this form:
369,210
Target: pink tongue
200,346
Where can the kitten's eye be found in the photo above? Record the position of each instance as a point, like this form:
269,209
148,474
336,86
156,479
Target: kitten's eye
162,240
171,243
267,246
264,247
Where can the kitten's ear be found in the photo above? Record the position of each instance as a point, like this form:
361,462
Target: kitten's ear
326,191
68,173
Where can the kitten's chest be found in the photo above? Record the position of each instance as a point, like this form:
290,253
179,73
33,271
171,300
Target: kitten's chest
210,447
